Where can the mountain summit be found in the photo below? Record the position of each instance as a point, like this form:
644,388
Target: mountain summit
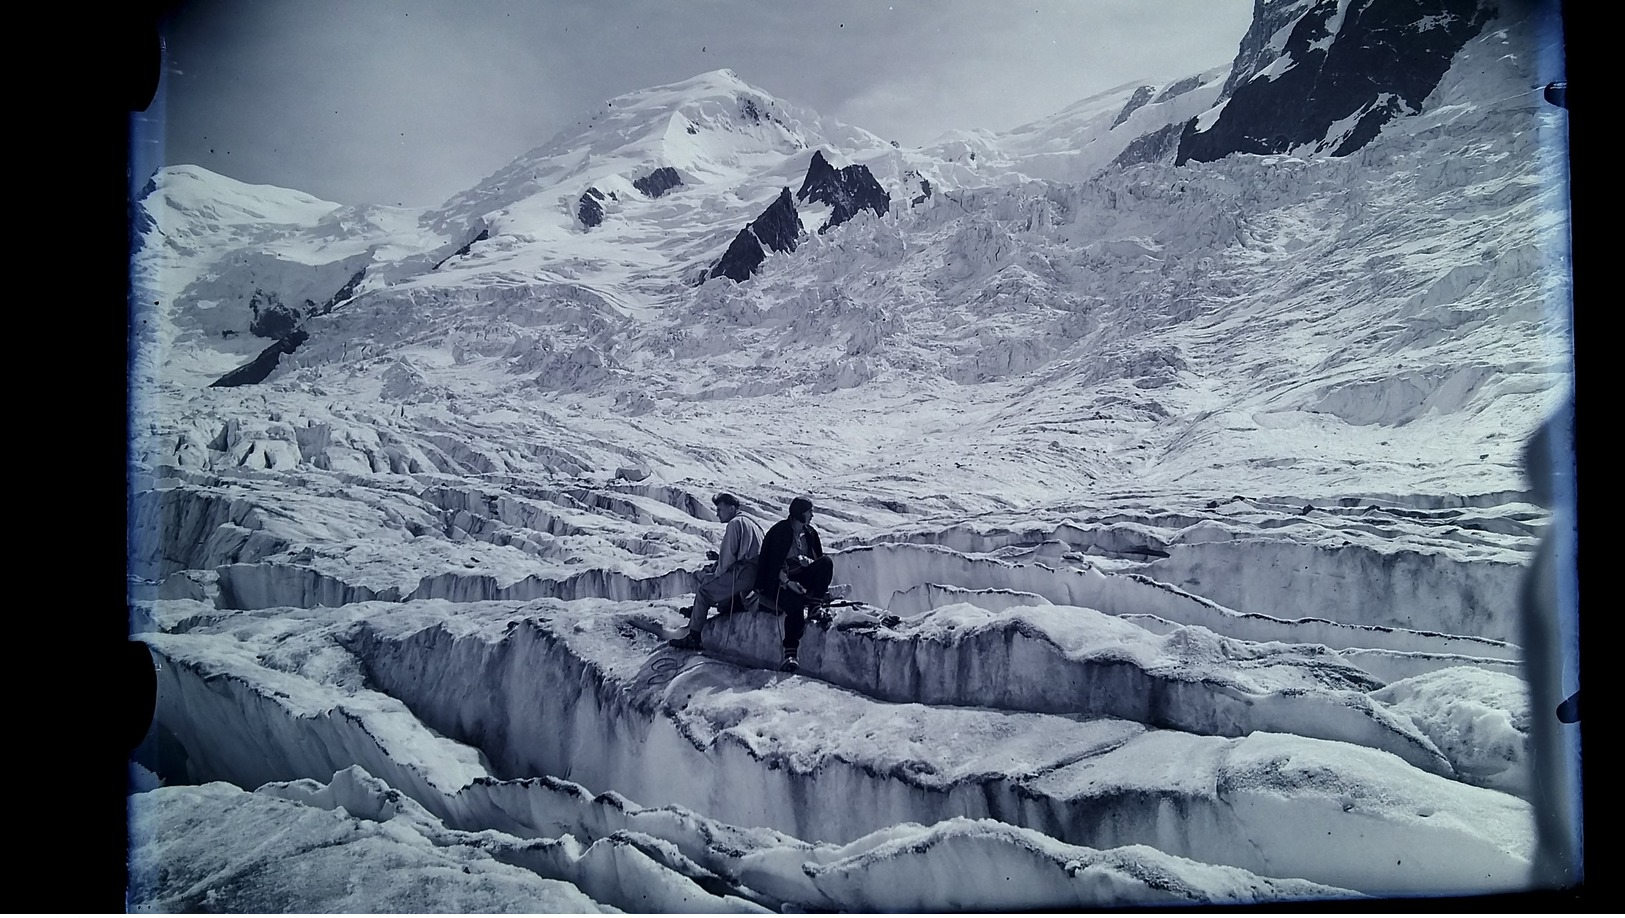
711,129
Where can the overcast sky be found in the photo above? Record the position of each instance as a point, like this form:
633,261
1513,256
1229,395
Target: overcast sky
411,101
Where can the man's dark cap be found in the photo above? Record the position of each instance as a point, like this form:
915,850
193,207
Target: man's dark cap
726,498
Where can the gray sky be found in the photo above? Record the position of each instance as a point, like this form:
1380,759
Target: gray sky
411,101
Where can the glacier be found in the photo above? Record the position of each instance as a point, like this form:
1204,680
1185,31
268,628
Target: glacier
1184,510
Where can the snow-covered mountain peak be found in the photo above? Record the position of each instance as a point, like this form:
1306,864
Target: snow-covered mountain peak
713,128
723,79
212,198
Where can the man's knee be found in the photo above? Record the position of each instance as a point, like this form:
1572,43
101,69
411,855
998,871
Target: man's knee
712,592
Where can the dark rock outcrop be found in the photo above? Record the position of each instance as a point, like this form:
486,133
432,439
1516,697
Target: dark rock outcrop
464,249
1178,89
658,182
925,192
275,319
260,367
1384,60
141,220
778,229
1140,97
1160,145
743,257
590,211
847,190
343,293
272,317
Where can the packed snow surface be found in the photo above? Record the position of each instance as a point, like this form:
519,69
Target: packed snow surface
1182,511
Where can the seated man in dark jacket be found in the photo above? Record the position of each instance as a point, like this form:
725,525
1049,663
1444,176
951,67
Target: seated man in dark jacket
792,571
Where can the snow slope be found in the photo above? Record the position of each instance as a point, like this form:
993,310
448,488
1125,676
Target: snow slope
1196,490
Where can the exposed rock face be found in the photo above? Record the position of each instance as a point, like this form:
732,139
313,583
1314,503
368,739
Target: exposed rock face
343,293
658,182
261,366
916,187
847,190
1255,54
142,223
777,229
1140,97
485,233
275,319
1160,145
590,211
1178,89
263,293
1376,60
743,257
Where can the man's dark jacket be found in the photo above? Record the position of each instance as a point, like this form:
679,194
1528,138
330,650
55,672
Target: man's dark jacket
775,548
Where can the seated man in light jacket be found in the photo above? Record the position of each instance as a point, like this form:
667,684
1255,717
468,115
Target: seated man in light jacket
734,571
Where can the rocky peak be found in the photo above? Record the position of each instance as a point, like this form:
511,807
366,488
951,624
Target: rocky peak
1343,71
658,182
1140,97
778,229
847,190
590,210
1178,88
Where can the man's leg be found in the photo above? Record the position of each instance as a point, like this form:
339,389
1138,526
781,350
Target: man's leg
696,615
709,592
795,618
816,576
814,580
741,580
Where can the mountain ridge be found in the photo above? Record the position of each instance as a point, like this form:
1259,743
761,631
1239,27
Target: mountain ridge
1013,283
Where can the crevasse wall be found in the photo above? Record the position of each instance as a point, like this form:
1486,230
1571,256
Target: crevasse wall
1014,665
542,709
877,574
